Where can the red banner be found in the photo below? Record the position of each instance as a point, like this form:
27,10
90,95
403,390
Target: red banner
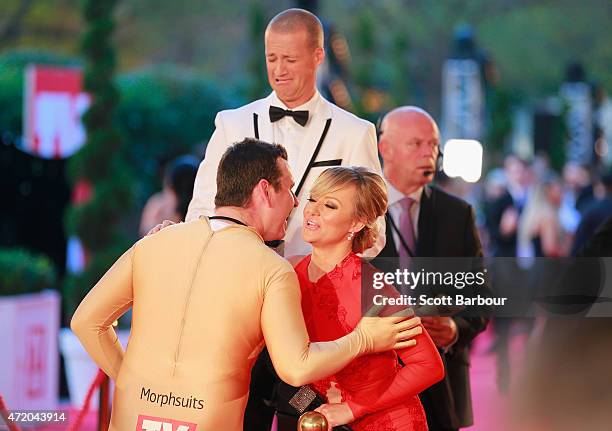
54,103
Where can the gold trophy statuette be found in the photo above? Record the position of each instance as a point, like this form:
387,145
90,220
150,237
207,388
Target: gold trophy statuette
312,421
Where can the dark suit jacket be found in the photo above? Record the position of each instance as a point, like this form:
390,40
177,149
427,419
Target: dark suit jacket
594,216
446,228
501,245
600,244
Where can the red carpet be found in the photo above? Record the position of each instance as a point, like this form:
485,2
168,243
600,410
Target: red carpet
490,407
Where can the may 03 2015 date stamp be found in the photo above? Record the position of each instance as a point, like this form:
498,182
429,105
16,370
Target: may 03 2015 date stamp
37,417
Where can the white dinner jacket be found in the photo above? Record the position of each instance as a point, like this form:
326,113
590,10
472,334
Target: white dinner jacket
347,140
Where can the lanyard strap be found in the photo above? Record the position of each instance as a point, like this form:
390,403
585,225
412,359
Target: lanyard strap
272,244
227,218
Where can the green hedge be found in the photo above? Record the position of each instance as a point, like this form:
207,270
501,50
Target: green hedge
165,112
24,272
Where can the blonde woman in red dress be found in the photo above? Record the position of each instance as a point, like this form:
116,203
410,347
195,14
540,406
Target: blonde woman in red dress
374,392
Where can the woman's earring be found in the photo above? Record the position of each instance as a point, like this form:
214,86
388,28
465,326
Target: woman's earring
350,236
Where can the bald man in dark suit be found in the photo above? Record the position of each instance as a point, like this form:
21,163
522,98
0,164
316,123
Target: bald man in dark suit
442,226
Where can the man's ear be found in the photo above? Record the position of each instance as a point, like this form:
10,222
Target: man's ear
384,148
319,55
264,189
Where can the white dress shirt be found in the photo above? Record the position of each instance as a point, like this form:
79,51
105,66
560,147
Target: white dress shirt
287,132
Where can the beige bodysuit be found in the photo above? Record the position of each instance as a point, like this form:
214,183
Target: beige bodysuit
203,303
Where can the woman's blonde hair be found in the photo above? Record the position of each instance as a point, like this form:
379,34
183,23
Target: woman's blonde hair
537,208
370,198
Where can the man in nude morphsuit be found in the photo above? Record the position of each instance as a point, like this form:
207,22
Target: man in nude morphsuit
206,295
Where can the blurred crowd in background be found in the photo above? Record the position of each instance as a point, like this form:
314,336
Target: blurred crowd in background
528,80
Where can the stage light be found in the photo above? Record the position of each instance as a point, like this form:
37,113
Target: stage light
463,158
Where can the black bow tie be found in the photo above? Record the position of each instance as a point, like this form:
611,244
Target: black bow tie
300,117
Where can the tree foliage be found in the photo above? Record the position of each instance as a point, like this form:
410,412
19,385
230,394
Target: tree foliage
99,164
166,112
530,39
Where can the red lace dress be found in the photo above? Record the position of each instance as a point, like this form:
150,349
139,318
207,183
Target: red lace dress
381,394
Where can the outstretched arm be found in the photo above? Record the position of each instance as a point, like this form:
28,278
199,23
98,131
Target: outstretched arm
298,361
92,322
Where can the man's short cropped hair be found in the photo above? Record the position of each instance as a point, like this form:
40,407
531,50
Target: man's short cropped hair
242,166
294,19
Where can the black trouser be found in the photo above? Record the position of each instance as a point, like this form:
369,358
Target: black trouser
258,415
286,422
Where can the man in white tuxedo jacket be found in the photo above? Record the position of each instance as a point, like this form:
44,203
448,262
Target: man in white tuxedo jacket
316,133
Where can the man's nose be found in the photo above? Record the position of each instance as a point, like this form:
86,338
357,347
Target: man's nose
429,151
280,67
